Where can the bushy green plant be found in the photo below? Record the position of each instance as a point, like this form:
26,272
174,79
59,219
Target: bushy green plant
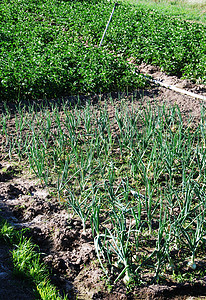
50,49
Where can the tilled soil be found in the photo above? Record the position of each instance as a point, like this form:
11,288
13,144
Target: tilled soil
66,249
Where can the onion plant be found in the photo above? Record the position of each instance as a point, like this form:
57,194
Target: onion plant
82,204
190,226
135,173
37,159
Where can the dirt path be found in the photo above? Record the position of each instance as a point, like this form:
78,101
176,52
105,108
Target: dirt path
189,106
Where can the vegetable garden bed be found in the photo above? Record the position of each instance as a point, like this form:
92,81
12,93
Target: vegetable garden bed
124,209
50,48
134,177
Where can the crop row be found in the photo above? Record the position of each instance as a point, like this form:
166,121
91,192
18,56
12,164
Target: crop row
135,176
42,53
49,48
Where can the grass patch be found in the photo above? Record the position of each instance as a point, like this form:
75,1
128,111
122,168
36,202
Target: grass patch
27,262
187,10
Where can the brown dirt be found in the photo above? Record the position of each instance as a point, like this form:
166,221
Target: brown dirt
67,251
190,107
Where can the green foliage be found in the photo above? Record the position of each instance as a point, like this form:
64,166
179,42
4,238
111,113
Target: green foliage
44,52
48,292
50,48
174,45
7,232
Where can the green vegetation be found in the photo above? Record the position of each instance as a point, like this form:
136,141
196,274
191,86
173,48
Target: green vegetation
27,262
136,176
183,9
50,48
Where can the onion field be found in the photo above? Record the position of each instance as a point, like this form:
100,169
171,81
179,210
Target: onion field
133,174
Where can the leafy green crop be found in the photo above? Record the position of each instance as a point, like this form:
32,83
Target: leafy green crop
50,48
